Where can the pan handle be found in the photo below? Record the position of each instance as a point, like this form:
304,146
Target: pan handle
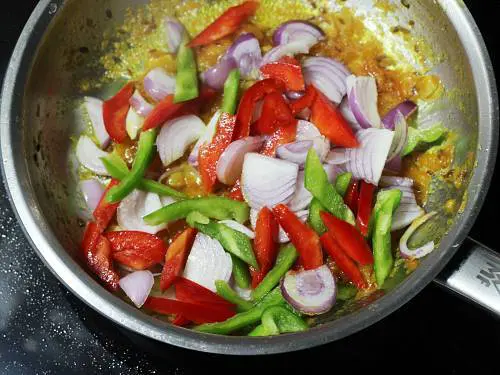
474,273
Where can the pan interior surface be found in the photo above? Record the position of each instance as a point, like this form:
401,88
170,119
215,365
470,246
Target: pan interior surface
65,50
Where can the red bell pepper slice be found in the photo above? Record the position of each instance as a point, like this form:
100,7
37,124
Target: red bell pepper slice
105,211
365,206
195,312
296,106
235,193
283,135
175,258
330,122
210,153
115,112
167,109
247,104
349,238
303,238
288,70
265,245
137,250
180,321
346,264
97,252
189,291
351,197
226,24
275,114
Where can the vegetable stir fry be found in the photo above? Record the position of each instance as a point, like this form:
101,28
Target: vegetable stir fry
288,202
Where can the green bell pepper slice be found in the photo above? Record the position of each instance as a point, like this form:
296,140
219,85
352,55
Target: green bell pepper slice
219,208
387,202
244,319
118,169
285,260
145,149
277,320
231,87
342,183
186,81
418,137
226,292
233,241
314,218
346,292
241,273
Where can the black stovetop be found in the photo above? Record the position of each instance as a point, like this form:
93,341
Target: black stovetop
44,329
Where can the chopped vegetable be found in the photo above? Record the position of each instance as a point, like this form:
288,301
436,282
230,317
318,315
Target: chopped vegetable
189,291
158,84
343,182
346,292
241,274
89,155
365,206
351,196
362,94
94,108
137,286
105,211
418,137
231,87
281,136
421,251
314,218
226,292
134,207
288,70
275,114
186,81
406,108
277,320
328,76
115,112
265,246
296,30
306,101
175,33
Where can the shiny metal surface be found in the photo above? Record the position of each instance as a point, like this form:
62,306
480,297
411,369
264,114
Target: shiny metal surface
36,125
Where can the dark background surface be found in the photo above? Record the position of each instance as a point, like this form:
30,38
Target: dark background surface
46,330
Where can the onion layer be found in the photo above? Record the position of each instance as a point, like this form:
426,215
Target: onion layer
239,227
206,137
407,108
137,286
141,106
92,191
421,251
134,207
94,111
175,32
307,131
158,84
293,31
363,97
133,123
328,76
89,155
247,54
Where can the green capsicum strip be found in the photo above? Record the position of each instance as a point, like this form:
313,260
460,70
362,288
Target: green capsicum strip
346,292
387,202
418,137
277,320
186,82
240,273
145,149
218,208
226,292
285,260
314,218
244,319
231,86
342,182
233,241
118,169
316,181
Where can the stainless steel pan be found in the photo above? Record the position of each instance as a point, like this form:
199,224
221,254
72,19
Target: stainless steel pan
37,120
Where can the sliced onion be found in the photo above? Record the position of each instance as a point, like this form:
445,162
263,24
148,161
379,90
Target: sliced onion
295,152
177,135
141,106
294,95
421,251
134,207
311,292
137,286
133,123
94,111
307,131
407,108
363,97
345,109
208,262
89,155
290,49
302,197
247,54
367,162
175,32
239,227
408,209
230,163
216,76
206,137
292,31
337,157
166,200
266,181
400,136
328,76
92,191
158,84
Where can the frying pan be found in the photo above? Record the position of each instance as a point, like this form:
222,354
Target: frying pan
38,119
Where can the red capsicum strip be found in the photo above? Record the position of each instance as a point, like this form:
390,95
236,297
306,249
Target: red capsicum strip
351,197
365,206
210,153
247,104
167,109
180,321
105,211
330,122
97,253
115,112
226,24
275,114
349,238
265,246
306,101
303,238
175,258
137,250
346,264
235,193
283,135
287,70
195,312
189,291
